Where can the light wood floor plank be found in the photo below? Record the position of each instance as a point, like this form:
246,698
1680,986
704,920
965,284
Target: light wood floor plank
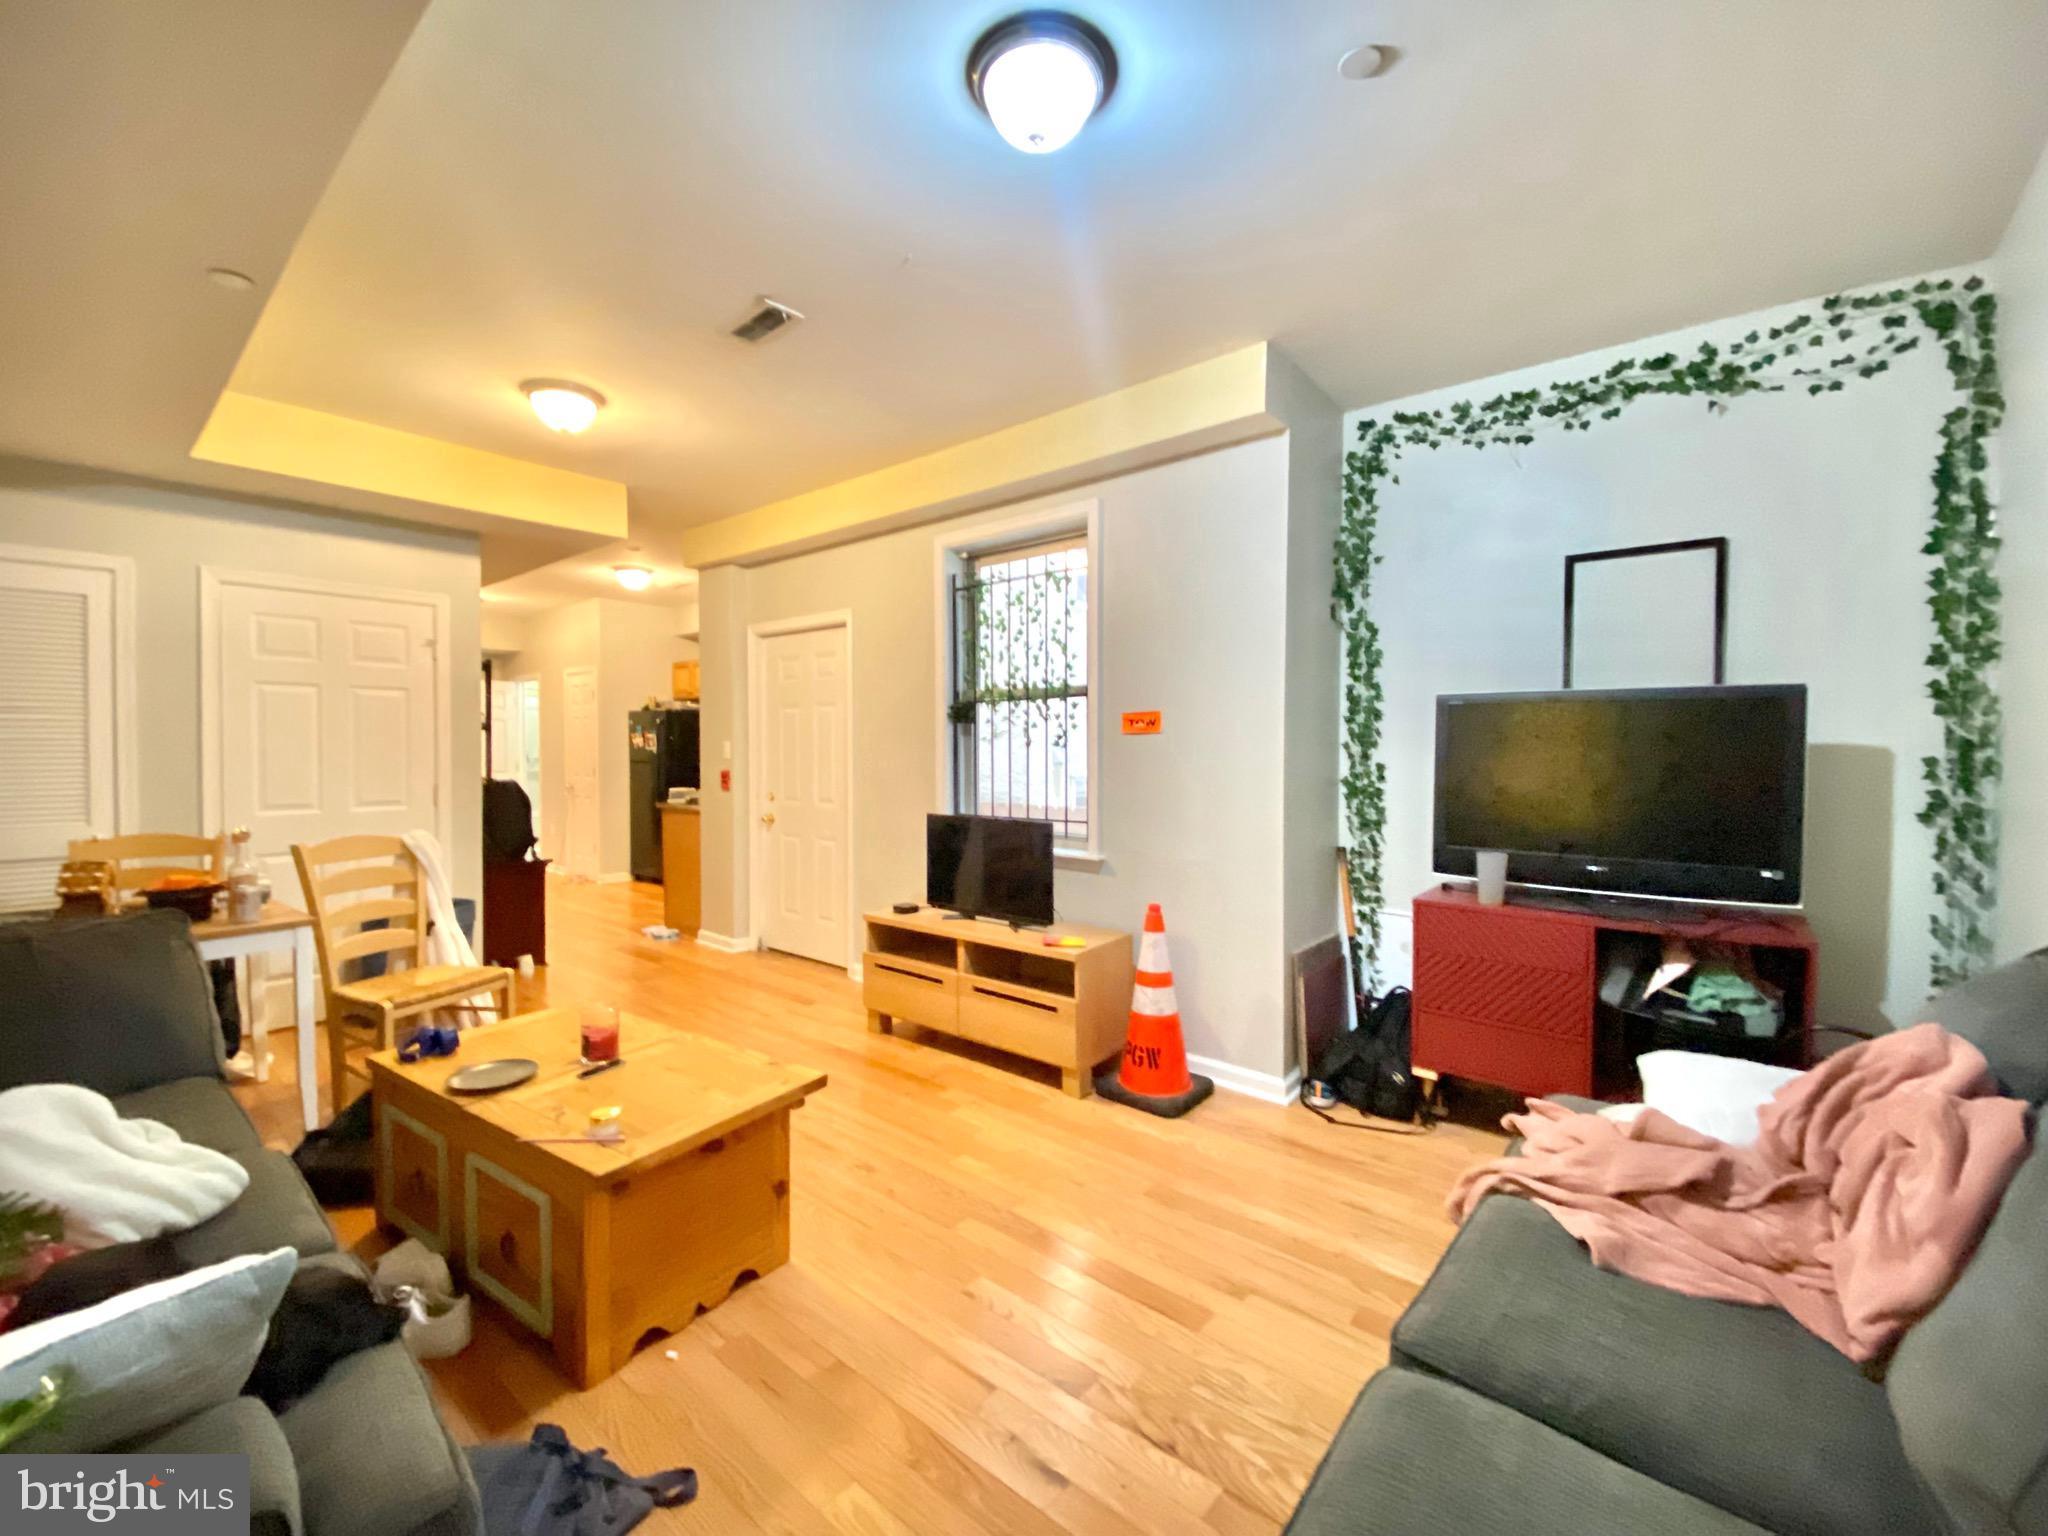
1007,1312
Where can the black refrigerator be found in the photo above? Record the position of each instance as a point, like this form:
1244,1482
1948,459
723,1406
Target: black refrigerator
663,757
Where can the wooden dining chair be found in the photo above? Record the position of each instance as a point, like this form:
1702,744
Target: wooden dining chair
352,881
138,859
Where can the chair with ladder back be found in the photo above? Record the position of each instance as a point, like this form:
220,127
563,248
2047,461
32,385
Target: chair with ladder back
351,882
139,860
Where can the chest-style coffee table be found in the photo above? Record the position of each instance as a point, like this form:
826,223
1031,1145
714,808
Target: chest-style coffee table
594,1246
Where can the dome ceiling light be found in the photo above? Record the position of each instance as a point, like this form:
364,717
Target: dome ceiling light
1040,75
561,405
634,578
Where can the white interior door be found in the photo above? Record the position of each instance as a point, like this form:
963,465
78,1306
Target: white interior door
57,757
579,769
329,722
800,794
526,704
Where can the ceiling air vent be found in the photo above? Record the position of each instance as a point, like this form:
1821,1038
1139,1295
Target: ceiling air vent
772,316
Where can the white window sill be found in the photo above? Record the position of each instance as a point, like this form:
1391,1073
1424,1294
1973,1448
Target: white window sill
1078,859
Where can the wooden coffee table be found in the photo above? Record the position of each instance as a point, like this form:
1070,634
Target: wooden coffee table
594,1246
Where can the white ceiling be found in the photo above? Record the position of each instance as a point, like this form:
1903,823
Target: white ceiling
548,188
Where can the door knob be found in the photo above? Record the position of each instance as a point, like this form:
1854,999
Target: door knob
767,818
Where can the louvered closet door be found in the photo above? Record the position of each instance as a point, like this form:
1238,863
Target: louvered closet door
56,721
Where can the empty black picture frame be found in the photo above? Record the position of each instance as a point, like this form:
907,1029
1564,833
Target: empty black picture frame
1719,547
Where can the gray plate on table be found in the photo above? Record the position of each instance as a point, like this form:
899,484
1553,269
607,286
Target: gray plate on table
492,1076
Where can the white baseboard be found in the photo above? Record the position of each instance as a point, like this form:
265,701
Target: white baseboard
725,943
617,877
1263,1086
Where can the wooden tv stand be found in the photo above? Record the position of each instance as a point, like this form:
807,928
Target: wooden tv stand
982,980
1508,994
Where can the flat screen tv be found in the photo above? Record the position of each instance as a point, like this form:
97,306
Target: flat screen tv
1694,794
989,866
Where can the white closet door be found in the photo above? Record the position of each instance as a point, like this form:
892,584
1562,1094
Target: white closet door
802,794
329,724
57,757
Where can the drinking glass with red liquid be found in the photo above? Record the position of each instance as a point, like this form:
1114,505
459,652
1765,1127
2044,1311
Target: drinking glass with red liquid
600,1026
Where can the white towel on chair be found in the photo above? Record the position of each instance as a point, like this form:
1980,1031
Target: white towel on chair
445,943
115,1180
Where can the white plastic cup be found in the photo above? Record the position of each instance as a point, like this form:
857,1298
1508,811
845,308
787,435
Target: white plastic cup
1491,865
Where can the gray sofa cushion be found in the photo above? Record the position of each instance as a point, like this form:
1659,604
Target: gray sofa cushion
1738,1405
200,1109
111,1003
2004,1013
373,1417
275,1211
241,1425
1422,1455
1969,1383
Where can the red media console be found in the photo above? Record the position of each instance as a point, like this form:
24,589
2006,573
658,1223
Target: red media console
1509,994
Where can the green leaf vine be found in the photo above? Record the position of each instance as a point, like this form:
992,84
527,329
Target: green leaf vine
1848,336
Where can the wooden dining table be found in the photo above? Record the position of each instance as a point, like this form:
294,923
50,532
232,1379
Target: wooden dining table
282,929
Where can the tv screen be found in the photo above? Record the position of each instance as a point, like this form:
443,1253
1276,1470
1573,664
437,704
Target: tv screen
989,866
1694,793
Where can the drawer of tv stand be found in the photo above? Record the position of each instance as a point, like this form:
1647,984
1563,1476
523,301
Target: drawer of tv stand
1504,936
904,988
1031,1023
1529,1063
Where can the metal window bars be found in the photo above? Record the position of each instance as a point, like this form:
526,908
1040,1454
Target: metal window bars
1020,686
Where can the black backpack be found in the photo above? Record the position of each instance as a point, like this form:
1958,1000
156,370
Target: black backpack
508,820
1369,1068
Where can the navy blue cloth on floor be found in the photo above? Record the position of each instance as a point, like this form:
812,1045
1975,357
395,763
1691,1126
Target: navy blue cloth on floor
547,1487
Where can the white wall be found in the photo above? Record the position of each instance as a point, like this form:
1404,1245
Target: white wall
632,646
1313,698
2020,273
1824,502
170,533
556,639
1193,588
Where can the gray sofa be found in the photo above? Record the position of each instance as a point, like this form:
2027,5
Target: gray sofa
1531,1393
122,1005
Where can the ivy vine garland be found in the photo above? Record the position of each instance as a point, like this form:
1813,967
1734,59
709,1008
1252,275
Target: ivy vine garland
1850,336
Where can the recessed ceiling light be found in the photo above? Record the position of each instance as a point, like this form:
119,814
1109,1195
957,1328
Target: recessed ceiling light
563,406
229,278
1040,76
634,578
1364,63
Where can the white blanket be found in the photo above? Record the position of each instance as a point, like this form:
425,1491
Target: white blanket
445,943
115,1180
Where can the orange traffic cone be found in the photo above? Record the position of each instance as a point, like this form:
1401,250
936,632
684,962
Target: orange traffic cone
1154,1075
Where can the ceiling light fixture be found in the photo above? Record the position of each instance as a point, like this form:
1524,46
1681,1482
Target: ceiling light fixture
634,578
562,406
1365,63
1040,76
230,279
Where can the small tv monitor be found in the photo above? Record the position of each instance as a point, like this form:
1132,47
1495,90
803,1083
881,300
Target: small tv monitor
1692,794
989,866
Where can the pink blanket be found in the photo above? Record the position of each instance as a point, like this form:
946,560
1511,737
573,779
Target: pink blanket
1873,1178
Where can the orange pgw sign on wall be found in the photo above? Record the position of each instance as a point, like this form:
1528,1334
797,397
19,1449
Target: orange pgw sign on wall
1141,722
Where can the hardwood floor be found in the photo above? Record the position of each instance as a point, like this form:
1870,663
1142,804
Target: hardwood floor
1006,1312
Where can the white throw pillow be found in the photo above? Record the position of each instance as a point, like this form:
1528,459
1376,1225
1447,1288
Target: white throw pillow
1717,1096
148,1357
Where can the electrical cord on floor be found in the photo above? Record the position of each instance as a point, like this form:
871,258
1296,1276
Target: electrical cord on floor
1384,1128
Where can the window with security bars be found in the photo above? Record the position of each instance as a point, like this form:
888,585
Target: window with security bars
1020,685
